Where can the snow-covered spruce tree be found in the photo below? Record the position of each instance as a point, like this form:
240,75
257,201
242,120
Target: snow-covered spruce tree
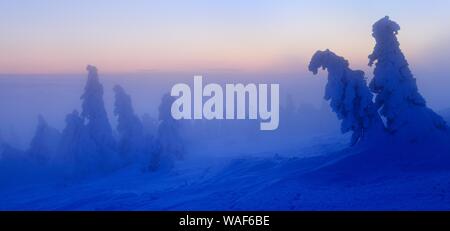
168,140
150,126
131,132
349,96
45,142
403,107
77,151
94,113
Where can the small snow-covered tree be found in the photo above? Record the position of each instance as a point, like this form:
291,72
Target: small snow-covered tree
45,142
397,96
94,113
77,151
349,96
150,126
131,132
169,143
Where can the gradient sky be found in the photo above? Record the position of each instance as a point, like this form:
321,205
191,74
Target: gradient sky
62,36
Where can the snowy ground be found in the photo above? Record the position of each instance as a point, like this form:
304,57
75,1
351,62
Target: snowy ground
270,181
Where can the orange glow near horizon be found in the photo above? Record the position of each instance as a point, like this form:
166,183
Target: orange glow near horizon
44,37
214,57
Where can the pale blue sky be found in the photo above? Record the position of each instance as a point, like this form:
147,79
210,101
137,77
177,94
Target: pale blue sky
47,36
